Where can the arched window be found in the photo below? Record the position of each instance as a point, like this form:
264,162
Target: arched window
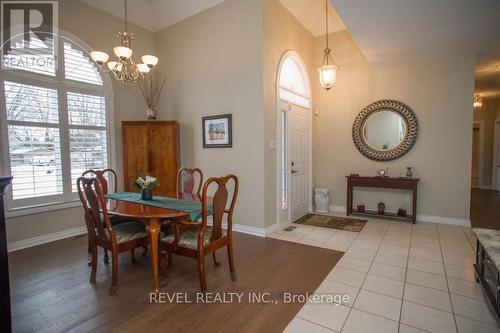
292,83
56,122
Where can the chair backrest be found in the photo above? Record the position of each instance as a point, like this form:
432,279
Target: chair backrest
186,181
219,203
92,196
101,175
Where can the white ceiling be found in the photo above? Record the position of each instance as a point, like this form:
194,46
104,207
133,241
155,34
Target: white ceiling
390,30
154,15
311,13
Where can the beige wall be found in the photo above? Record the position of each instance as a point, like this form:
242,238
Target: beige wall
213,64
440,93
282,32
487,116
98,30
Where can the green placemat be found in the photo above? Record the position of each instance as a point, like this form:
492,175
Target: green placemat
193,208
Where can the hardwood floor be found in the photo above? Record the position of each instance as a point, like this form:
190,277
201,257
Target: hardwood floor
485,209
51,292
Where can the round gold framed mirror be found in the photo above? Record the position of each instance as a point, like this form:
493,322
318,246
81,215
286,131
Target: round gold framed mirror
385,130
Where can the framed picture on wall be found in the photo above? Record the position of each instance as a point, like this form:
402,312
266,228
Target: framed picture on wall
217,131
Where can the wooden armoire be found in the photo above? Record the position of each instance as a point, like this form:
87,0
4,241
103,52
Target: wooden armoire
151,148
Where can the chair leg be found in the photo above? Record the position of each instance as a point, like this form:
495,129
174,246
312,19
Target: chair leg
114,274
89,249
201,271
164,265
216,263
231,260
106,257
93,263
132,256
170,262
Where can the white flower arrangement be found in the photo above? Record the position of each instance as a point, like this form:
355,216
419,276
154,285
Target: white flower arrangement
146,183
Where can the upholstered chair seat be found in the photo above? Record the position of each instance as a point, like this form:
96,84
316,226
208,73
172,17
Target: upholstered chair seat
127,231
189,238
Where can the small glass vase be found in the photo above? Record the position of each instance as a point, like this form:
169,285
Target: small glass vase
151,114
147,195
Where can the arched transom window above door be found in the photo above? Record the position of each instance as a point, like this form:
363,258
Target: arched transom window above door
293,83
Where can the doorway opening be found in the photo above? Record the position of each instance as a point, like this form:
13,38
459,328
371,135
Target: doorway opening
294,132
485,159
477,154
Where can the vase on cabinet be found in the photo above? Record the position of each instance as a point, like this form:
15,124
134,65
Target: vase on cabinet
151,113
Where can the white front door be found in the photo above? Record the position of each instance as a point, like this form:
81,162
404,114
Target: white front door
299,162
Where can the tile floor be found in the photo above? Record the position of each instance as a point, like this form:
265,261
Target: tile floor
400,278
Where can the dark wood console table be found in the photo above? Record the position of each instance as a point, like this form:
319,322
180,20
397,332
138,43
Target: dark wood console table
402,183
5,321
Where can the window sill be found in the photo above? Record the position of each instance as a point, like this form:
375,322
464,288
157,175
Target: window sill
22,211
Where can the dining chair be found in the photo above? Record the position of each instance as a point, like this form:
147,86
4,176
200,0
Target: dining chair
101,175
111,176
201,240
185,189
186,181
126,236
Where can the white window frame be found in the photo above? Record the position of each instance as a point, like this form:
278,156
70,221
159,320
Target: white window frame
62,85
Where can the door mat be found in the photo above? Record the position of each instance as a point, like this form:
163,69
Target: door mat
334,222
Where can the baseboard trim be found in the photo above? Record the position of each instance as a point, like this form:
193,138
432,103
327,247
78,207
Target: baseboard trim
30,242
422,218
443,220
338,209
244,229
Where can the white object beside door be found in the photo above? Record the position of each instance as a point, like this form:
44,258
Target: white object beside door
299,161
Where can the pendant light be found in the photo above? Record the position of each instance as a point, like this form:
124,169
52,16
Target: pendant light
327,71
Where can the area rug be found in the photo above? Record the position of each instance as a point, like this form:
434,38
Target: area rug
334,222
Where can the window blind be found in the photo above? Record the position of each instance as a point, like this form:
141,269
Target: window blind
79,67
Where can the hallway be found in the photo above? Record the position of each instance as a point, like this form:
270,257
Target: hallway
485,209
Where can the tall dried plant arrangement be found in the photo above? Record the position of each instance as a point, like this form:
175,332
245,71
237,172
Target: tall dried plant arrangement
150,87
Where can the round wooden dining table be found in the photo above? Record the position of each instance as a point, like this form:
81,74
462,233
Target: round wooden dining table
152,217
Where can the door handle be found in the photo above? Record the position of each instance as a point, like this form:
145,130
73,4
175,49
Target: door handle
295,171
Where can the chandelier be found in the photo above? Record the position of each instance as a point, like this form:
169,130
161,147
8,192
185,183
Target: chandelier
327,71
478,102
124,68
